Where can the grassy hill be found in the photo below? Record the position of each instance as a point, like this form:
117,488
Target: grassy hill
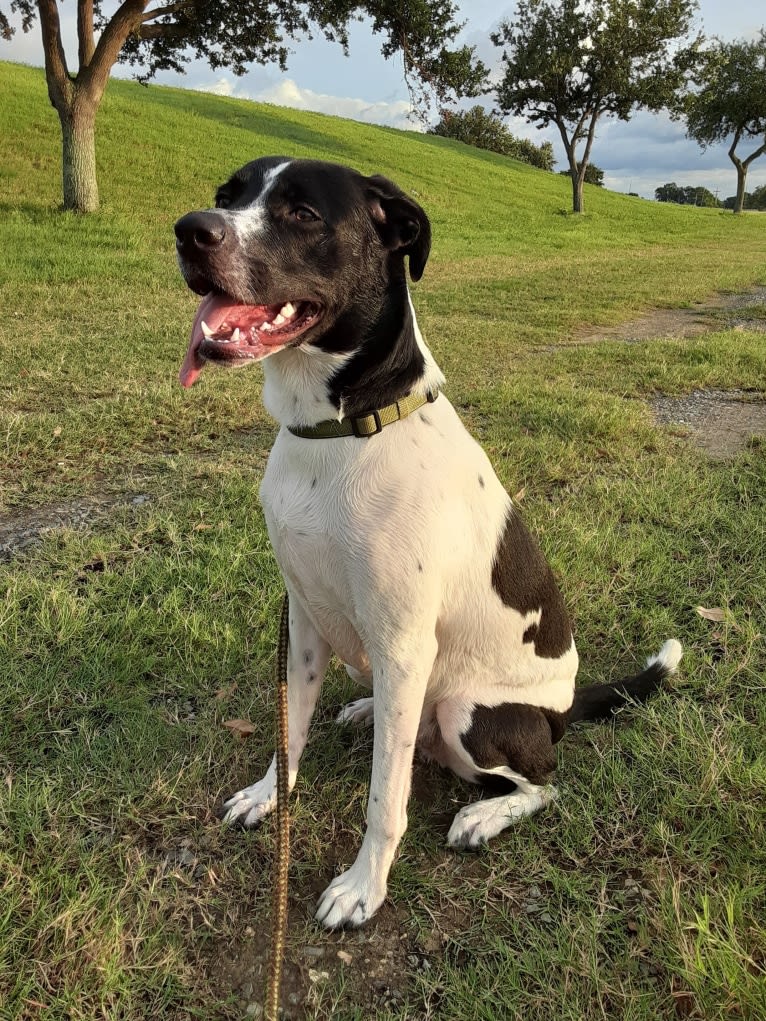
146,616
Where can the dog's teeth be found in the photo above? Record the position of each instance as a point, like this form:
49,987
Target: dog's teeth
235,337
266,326
278,319
287,310
206,329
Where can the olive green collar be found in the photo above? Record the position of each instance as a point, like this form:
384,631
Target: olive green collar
364,425
368,425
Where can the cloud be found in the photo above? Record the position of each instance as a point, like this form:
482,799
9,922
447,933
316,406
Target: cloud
651,150
287,92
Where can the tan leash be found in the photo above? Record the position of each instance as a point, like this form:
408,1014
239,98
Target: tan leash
279,899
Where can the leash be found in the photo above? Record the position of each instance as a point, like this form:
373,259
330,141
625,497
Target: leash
279,897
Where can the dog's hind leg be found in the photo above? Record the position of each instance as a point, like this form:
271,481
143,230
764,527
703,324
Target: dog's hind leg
307,658
359,712
511,744
477,823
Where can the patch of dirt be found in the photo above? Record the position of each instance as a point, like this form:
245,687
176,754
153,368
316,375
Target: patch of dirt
24,528
721,422
374,965
724,311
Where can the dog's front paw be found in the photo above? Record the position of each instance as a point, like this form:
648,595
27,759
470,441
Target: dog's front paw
351,899
252,804
359,713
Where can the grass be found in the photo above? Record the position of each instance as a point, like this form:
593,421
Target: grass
126,643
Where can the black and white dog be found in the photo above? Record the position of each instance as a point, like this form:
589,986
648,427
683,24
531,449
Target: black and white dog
401,551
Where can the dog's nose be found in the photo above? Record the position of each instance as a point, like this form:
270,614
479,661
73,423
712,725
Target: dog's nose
200,230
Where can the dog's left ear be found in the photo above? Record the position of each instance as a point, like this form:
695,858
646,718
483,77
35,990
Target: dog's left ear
400,222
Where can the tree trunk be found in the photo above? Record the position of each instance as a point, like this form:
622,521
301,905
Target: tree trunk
739,201
78,131
577,180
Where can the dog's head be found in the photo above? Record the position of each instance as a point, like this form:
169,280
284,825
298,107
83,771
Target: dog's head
295,252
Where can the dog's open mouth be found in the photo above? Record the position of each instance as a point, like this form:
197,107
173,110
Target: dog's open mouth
234,334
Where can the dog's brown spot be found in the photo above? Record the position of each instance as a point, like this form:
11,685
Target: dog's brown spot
515,735
524,581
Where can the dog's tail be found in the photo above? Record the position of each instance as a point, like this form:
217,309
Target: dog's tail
597,701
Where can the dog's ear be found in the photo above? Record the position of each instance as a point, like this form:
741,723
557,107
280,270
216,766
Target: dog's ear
400,222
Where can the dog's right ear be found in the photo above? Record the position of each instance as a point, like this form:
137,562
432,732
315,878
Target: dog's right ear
400,222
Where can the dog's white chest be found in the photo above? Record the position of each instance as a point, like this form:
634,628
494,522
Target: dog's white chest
307,515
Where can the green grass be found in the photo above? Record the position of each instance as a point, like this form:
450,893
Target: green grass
125,644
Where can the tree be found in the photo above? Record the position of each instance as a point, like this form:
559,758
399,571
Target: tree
730,102
160,34
485,130
570,62
687,195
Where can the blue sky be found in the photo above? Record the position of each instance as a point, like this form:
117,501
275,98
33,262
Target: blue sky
640,155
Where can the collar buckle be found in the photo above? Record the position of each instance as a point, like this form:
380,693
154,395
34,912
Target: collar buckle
375,415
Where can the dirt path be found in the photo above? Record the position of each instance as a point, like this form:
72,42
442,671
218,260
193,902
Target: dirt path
720,422
723,311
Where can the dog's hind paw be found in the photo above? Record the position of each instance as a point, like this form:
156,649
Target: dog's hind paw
350,900
479,822
360,713
252,804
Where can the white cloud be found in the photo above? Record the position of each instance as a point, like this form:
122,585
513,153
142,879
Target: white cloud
287,92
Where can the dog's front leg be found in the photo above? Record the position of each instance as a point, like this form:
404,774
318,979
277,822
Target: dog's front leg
307,657
399,686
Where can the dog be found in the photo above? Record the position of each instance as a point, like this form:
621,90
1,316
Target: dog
401,552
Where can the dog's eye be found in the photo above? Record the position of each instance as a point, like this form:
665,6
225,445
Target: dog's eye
303,214
222,201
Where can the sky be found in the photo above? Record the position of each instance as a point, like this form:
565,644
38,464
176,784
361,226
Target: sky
640,155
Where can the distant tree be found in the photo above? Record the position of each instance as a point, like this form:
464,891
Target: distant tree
751,200
162,34
730,102
486,130
669,192
570,62
593,175
688,195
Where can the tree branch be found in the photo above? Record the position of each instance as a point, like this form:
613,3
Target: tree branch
732,155
754,155
56,70
125,20
85,41
591,136
158,12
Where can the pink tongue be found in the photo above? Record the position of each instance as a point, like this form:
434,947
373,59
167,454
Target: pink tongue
214,310
193,363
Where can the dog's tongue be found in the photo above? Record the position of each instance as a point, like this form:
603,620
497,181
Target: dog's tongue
193,363
215,310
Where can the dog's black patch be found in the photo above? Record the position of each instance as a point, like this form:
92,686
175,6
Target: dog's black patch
515,735
524,581
386,365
